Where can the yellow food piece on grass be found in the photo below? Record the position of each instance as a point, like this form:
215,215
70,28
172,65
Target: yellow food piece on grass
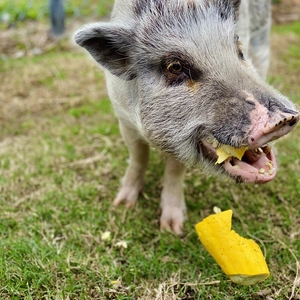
241,259
226,151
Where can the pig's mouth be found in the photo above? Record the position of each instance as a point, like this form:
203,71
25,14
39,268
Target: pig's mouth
257,165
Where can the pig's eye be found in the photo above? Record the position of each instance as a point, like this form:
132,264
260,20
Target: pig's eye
175,67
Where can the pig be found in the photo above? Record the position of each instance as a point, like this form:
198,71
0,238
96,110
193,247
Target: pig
187,77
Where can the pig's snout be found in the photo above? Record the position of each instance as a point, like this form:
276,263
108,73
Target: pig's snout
258,163
268,128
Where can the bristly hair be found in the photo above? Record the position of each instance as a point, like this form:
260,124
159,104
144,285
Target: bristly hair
227,8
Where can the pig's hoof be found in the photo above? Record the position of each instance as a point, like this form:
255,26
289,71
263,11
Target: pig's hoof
127,195
172,219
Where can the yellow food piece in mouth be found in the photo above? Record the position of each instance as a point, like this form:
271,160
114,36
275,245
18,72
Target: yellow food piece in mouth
226,151
241,259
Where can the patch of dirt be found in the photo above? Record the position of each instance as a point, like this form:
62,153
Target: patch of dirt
286,11
33,38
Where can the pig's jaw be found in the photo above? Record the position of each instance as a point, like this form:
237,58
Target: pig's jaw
260,171
256,166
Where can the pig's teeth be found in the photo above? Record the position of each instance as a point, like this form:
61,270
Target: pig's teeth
260,150
262,171
211,140
267,149
269,164
215,143
269,170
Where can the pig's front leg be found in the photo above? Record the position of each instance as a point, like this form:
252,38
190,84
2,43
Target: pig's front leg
133,181
172,198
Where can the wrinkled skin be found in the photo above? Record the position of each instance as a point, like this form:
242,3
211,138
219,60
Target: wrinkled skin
181,82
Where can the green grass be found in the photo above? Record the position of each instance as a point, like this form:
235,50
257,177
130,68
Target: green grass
293,28
20,10
61,160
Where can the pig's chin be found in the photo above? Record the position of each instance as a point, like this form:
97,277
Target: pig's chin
256,166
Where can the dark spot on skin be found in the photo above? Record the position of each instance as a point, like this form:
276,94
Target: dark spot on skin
223,15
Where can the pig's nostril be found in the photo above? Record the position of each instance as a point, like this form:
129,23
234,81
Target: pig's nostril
293,121
274,130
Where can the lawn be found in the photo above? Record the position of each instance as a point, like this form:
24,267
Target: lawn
61,160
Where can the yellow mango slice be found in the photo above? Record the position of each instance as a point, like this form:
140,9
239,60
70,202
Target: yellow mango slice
241,259
226,151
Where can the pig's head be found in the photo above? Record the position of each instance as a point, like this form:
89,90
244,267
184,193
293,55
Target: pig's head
192,88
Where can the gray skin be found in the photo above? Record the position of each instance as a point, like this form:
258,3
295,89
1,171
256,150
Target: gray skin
185,77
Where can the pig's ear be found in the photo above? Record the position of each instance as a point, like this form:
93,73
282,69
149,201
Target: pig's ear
109,45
